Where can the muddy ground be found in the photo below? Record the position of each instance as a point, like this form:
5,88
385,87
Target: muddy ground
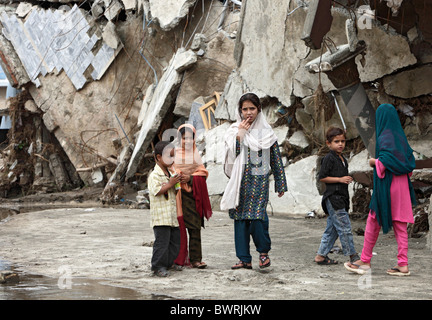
113,245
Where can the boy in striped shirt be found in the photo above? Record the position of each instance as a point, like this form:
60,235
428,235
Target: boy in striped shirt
163,211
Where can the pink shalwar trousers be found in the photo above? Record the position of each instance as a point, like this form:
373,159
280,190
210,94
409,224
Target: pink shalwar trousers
371,236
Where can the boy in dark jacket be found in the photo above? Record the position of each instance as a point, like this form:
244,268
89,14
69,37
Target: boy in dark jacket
335,201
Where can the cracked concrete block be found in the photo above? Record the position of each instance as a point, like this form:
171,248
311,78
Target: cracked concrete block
23,9
227,107
410,83
46,43
112,9
301,176
129,4
386,53
184,60
156,111
169,12
298,139
110,36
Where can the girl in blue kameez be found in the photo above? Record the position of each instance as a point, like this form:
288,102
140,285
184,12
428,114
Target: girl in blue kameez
252,154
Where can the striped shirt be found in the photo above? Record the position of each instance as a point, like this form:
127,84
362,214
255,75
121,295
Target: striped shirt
162,207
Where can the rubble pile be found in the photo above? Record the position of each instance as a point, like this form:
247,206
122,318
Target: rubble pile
110,78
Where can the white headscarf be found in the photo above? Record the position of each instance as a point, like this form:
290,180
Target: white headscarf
260,136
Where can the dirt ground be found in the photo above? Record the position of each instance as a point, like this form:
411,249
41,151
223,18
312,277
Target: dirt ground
114,246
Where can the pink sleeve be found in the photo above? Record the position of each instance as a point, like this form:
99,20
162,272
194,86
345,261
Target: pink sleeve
380,169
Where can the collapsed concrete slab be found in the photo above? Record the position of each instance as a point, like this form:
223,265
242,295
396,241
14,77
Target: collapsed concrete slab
302,195
163,97
51,41
410,83
386,53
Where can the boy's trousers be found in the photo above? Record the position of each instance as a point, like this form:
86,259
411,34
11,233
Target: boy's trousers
166,247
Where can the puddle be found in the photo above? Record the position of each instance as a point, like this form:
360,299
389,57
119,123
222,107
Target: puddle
35,287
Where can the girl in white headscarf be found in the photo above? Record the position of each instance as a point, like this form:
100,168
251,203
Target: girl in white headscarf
252,153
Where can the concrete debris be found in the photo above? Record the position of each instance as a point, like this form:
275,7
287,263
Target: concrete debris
410,83
198,60
23,9
158,107
169,12
56,40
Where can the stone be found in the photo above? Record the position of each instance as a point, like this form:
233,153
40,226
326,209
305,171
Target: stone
208,75
410,83
359,162
302,195
110,36
215,144
270,66
169,12
386,53
217,180
129,4
156,111
23,9
185,60
228,104
281,133
112,9
299,139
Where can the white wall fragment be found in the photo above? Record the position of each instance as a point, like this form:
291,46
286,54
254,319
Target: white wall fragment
50,41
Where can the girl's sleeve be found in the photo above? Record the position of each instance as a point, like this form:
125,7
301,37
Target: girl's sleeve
237,148
380,168
277,167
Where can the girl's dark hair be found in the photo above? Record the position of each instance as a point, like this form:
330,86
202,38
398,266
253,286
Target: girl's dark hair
333,132
252,97
183,130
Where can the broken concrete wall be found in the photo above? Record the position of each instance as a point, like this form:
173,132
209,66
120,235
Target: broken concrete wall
254,47
271,56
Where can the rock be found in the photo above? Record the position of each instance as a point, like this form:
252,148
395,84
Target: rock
110,36
281,134
234,88
129,4
410,83
298,139
217,180
170,12
302,195
185,60
23,9
359,162
386,52
214,144
156,110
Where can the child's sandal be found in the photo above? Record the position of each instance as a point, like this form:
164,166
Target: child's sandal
241,264
264,261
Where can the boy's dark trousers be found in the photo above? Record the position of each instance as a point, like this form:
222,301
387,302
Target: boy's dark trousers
166,247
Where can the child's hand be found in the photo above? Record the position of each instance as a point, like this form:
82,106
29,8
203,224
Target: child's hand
174,179
184,178
346,179
372,162
244,125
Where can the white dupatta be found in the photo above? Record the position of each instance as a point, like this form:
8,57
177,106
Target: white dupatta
260,136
